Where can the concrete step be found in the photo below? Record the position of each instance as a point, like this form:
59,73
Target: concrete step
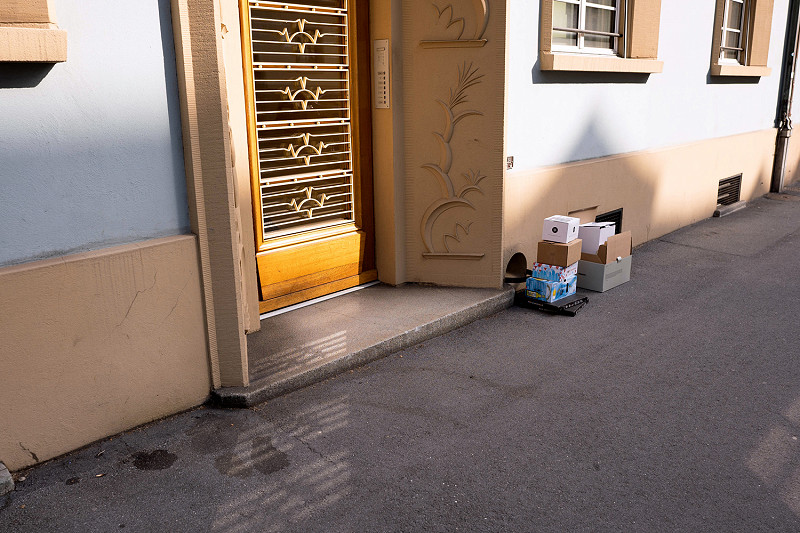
308,345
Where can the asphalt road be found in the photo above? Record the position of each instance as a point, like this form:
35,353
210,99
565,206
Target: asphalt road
671,403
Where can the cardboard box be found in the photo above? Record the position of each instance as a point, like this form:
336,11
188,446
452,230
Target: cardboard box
553,272
586,215
560,229
594,234
601,277
558,254
550,291
616,246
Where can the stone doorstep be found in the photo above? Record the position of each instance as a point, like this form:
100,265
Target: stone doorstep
6,481
273,386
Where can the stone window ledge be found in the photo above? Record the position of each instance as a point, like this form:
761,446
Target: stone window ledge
740,70
32,44
550,61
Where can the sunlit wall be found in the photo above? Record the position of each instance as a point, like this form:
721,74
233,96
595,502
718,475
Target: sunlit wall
558,117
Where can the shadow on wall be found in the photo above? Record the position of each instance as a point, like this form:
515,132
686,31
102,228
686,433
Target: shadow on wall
613,183
23,75
173,103
731,80
548,77
660,190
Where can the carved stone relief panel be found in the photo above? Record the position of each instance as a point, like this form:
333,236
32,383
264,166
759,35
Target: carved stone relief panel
453,110
459,25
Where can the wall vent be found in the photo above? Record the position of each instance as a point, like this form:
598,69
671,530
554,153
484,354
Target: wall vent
730,190
612,216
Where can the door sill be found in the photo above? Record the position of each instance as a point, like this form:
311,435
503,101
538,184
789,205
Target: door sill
312,293
301,305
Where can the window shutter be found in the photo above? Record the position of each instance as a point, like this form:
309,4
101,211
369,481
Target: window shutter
761,30
643,24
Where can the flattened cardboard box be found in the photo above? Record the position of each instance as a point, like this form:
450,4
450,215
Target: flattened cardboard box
558,254
602,277
616,246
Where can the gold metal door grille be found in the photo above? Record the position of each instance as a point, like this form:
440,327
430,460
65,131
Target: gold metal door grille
301,87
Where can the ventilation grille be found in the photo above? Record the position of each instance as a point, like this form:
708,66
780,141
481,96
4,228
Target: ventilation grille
730,190
612,216
301,83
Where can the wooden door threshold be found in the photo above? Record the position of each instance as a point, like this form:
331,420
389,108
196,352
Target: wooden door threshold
315,292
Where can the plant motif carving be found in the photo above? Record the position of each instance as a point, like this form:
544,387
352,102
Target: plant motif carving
450,197
447,16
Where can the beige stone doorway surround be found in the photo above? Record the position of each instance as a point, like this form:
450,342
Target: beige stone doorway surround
437,151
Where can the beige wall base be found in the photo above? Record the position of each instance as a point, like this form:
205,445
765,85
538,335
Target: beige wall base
97,343
659,190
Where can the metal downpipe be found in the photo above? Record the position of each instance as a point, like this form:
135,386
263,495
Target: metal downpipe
784,112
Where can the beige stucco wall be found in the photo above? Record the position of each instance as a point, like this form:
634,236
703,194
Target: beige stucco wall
387,150
97,343
659,190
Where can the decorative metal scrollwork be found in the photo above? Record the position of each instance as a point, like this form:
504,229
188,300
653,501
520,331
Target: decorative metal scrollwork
301,83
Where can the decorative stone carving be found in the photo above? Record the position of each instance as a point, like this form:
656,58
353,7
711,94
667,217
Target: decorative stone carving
451,198
447,17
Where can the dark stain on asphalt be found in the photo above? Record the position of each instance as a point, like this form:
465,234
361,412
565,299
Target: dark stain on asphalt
73,480
259,455
213,433
155,460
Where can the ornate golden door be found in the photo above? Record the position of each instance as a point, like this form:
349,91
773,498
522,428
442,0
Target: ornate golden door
308,98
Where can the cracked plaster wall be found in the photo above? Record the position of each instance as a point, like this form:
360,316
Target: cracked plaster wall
97,343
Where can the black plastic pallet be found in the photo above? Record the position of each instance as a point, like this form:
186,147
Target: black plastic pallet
568,306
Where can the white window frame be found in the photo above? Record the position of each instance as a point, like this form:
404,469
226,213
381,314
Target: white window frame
742,30
581,29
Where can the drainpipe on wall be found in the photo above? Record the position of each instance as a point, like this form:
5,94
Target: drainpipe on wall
784,115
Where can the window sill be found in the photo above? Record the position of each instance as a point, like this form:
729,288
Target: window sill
739,70
33,45
590,63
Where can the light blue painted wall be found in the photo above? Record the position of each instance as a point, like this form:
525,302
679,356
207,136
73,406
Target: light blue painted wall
557,117
90,151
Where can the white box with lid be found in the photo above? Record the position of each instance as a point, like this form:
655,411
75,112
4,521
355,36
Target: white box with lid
595,234
561,229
